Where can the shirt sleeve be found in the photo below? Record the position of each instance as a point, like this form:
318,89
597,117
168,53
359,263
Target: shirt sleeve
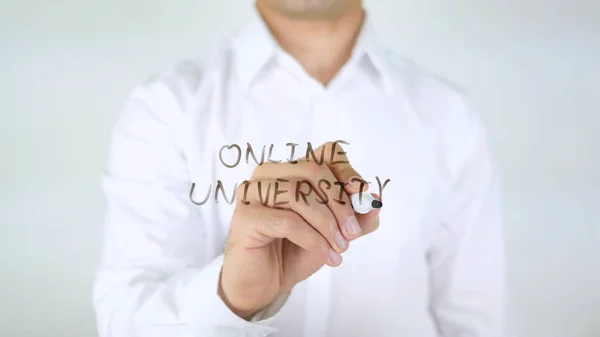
153,279
466,257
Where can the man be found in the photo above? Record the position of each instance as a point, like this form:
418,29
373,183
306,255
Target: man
298,112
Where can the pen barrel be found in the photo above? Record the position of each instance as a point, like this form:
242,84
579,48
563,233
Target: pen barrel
363,206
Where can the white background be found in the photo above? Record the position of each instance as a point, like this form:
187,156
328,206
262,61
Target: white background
531,66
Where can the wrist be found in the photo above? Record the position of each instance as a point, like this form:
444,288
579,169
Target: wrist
243,311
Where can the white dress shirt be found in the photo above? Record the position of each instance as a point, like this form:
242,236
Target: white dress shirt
433,268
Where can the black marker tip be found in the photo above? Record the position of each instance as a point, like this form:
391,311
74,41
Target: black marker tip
376,204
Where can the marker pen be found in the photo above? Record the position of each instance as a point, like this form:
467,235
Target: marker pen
368,203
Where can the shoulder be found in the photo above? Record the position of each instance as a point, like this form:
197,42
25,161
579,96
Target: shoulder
185,78
174,89
442,107
436,99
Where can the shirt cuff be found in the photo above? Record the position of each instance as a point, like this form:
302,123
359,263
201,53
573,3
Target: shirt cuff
204,310
272,310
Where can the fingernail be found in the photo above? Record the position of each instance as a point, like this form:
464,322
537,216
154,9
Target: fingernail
352,226
340,241
335,257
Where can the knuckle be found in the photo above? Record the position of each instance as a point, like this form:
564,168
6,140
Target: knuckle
239,190
263,169
313,169
289,221
348,172
257,170
266,219
274,222
285,222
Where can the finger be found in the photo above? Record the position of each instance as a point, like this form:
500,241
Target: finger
298,196
345,174
285,224
325,184
337,160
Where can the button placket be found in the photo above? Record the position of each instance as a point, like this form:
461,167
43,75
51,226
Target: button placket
318,286
323,116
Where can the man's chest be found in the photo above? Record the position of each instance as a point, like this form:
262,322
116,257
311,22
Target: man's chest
380,135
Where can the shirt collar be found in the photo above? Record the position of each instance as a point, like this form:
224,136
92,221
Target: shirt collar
255,46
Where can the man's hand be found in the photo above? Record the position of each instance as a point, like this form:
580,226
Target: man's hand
290,220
